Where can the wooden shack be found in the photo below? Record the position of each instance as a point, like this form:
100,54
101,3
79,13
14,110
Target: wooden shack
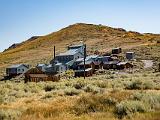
110,65
130,55
37,75
16,70
124,65
88,64
80,73
116,50
98,65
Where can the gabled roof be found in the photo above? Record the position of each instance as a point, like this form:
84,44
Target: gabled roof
80,45
18,65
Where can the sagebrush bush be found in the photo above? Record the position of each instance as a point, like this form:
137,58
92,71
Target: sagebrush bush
9,114
71,91
49,87
93,103
91,88
127,108
79,84
139,84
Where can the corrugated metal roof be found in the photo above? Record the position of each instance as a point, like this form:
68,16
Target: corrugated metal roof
40,65
88,69
87,62
111,62
80,45
17,65
122,63
69,52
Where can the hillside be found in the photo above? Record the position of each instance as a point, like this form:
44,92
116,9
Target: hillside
108,94
97,37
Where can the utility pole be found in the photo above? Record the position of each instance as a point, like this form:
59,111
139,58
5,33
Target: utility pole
84,60
54,52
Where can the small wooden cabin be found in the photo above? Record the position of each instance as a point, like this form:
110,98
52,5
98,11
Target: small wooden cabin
88,64
110,65
37,75
130,55
15,70
116,50
80,73
124,65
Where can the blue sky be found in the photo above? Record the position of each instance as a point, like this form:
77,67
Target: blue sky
21,19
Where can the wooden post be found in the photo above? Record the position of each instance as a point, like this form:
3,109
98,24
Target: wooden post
54,52
159,67
84,60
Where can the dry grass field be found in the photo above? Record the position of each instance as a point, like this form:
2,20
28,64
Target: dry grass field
110,96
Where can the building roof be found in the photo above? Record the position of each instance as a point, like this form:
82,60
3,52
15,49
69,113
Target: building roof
88,69
111,62
70,63
17,65
41,65
87,62
92,57
122,63
76,45
69,52
130,52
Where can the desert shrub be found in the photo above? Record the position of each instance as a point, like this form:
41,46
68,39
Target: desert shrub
92,89
93,103
47,95
79,84
9,114
153,100
101,84
1,99
140,85
127,108
71,91
134,85
49,87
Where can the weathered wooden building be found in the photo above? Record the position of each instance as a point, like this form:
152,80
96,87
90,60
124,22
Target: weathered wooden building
15,70
124,65
88,64
80,73
116,50
37,75
110,65
130,55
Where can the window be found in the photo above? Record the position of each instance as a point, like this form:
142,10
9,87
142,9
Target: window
19,70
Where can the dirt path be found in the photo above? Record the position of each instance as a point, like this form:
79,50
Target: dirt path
147,63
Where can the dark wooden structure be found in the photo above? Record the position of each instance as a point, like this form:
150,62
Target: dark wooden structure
124,65
37,75
88,64
130,55
80,73
110,65
98,65
116,50
16,70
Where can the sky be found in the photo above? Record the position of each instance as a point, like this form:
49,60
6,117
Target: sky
22,19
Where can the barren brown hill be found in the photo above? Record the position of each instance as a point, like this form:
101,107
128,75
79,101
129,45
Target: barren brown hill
97,37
